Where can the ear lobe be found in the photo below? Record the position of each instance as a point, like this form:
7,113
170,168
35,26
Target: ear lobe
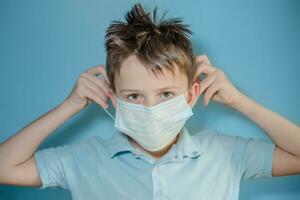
195,90
197,86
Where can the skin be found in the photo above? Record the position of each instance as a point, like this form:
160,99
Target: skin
18,165
215,87
141,86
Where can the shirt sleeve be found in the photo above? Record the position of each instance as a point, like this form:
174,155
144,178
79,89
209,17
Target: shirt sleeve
53,165
256,157
249,157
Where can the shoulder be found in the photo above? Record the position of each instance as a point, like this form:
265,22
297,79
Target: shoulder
214,137
217,142
224,143
90,145
79,148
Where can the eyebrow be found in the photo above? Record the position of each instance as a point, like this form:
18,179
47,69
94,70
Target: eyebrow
160,89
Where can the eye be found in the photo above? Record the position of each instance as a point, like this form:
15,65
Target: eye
133,97
167,95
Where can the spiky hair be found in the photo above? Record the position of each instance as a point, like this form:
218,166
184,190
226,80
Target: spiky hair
156,43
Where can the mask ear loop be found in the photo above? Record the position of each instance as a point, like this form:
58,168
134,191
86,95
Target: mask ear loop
103,78
109,113
111,116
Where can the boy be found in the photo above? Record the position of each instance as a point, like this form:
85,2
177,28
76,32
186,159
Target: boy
153,81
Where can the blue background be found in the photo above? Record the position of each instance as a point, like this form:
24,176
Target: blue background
45,45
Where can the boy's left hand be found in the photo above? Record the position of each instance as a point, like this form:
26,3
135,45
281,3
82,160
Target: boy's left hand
216,85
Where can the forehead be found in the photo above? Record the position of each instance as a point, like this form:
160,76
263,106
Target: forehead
134,75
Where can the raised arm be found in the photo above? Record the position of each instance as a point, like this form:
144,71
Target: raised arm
285,134
17,163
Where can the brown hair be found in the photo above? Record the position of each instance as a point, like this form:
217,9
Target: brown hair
156,45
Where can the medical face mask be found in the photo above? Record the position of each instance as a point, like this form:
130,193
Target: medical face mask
153,127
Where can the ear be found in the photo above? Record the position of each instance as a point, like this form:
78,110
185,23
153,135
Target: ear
194,92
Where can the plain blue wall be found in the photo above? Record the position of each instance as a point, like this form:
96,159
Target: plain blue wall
45,45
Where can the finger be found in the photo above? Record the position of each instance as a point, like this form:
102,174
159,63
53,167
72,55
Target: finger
99,70
210,92
202,59
97,81
204,69
96,89
94,97
206,83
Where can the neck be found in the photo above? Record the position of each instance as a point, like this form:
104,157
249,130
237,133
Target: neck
155,154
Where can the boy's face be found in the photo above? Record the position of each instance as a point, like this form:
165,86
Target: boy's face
136,84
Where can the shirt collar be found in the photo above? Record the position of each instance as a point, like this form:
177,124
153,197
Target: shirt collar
187,144
117,144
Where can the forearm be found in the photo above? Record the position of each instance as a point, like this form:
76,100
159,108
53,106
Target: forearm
283,132
22,145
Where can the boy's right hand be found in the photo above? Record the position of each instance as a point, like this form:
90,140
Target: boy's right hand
90,88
